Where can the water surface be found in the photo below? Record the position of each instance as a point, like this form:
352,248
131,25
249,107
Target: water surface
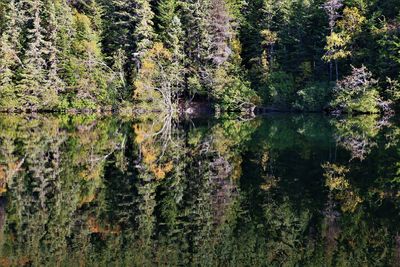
279,190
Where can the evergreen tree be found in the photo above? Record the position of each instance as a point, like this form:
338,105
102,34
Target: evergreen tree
33,72
54,83
143,34
9,58
172,35
196,24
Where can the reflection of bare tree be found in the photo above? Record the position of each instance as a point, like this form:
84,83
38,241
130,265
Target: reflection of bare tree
332,226
396,261
224,189
358,146
357,134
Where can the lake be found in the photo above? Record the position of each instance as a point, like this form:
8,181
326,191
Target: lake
276,190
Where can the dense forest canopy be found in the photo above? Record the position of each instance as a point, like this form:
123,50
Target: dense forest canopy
112,54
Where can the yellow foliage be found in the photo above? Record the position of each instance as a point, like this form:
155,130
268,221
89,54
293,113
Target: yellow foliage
149,155
271,182
148,78
269,37
336,176
350,201
148,66
336,47
169,166
352,21
87,199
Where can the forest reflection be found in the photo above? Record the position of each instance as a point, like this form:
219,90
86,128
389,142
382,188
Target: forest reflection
276,190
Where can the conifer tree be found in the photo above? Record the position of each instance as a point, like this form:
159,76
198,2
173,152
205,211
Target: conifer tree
166,12
120,24
117,37
143,34
54,84
172,36
9,59
197,42
32,77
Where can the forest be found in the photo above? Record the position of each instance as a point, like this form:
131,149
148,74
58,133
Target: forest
338,56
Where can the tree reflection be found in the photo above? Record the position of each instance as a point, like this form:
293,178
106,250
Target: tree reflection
101,191
358,134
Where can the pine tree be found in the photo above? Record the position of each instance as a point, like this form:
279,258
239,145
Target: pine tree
54,84
143,34
196,24
32,77
172,36
117,35
7,55
166,12
9,60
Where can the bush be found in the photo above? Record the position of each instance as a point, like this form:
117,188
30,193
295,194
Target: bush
281,89
314,97
357,93
231,91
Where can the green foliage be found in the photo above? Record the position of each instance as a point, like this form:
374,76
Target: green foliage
231,91
357,93
314,97
59,55
281,89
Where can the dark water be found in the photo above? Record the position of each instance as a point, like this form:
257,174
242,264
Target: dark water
282,190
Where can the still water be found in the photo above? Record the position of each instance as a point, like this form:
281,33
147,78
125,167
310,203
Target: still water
278,190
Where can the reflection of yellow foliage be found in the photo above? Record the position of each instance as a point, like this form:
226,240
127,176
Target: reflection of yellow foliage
87,199
6,171
96,228
5,262
271,182
237,167
336,182
336,176
3,176
265,159
350,201
151,150
3,190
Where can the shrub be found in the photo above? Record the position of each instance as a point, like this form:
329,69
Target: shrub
314,97
281,89
357,93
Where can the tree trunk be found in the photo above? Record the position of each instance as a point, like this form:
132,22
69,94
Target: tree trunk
337,70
